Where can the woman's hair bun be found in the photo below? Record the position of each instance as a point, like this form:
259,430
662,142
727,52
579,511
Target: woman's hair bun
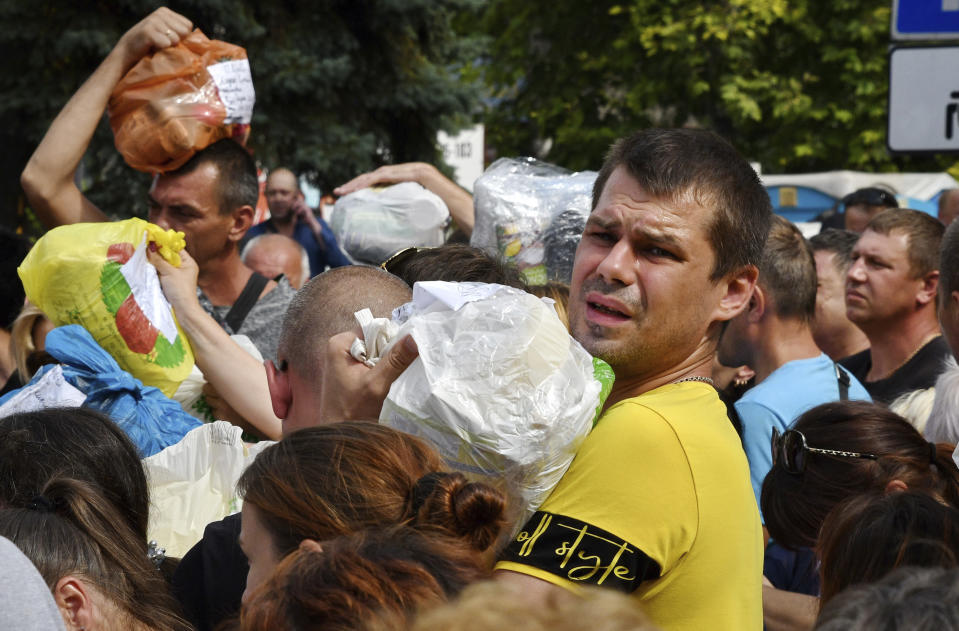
471,511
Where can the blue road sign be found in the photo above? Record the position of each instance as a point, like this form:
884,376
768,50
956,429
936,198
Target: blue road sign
925,19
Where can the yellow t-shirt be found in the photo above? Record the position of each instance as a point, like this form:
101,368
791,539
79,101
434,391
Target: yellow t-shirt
657,503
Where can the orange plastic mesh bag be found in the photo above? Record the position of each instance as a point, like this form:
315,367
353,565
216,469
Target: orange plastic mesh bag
180,100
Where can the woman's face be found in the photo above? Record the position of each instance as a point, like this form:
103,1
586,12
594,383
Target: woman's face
257,544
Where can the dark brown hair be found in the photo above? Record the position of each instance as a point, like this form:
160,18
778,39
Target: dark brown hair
674,164
924,233
236,183
456,262
322,482
866,537
71,529
839,242
794,506
356,579
75,443
788,271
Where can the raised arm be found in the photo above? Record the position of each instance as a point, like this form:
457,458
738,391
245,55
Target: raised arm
48,179
459,202
239,379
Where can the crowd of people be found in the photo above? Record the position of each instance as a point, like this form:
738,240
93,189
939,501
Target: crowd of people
776,450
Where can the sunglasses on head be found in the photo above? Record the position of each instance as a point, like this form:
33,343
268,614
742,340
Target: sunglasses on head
789,451
398,260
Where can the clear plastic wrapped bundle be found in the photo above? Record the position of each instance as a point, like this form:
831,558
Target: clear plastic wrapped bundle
372,224
532,213
500,388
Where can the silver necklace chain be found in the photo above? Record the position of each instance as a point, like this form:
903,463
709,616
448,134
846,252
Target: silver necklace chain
695,378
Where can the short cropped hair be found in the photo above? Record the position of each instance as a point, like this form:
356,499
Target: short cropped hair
924,233
872,196
787,271
949,259
237,184
325,306
838,241
698,165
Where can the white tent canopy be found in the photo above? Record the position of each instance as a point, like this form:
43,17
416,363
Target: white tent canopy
837,184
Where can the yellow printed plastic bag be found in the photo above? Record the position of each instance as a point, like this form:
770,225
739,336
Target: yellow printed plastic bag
97,275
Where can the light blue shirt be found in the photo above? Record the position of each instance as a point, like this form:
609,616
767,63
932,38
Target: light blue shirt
779,400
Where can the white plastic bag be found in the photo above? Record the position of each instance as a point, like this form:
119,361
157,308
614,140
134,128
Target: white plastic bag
499,388
192,483
373,224
51,390
532,214
190,393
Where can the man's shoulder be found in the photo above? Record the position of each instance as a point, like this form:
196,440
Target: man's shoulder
265,319
858,364
261,228
681,410
792,380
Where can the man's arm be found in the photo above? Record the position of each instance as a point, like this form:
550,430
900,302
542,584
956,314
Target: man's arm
238,378
48,179
788,611
458,201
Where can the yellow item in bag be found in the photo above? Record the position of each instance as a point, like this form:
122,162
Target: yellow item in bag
97,275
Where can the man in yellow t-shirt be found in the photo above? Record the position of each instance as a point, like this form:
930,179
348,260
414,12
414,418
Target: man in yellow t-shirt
658,502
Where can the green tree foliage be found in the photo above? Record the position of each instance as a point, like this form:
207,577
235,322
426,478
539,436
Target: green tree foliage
798,85
341,85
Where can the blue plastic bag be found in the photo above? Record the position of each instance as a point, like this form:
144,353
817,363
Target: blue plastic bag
150,418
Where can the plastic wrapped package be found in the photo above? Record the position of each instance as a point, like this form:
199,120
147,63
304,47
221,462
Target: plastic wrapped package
528,211
180,100
372,224
499,387
193,483
97,275
149,418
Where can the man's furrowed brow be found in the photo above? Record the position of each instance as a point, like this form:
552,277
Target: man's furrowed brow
662,237
605,223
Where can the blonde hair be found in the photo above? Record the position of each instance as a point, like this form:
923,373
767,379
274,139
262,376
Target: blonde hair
915,407
491,605
21,338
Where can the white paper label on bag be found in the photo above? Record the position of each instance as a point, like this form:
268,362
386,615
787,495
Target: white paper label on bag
451,295
144,283
234,83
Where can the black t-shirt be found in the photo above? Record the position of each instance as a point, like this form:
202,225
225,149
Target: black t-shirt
918,373
211,577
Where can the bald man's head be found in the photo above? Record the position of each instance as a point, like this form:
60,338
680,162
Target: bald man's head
325,307
282,190
275,254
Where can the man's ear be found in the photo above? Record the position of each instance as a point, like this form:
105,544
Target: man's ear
73,598
928,289
737,289
756,307
281,394
242,221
